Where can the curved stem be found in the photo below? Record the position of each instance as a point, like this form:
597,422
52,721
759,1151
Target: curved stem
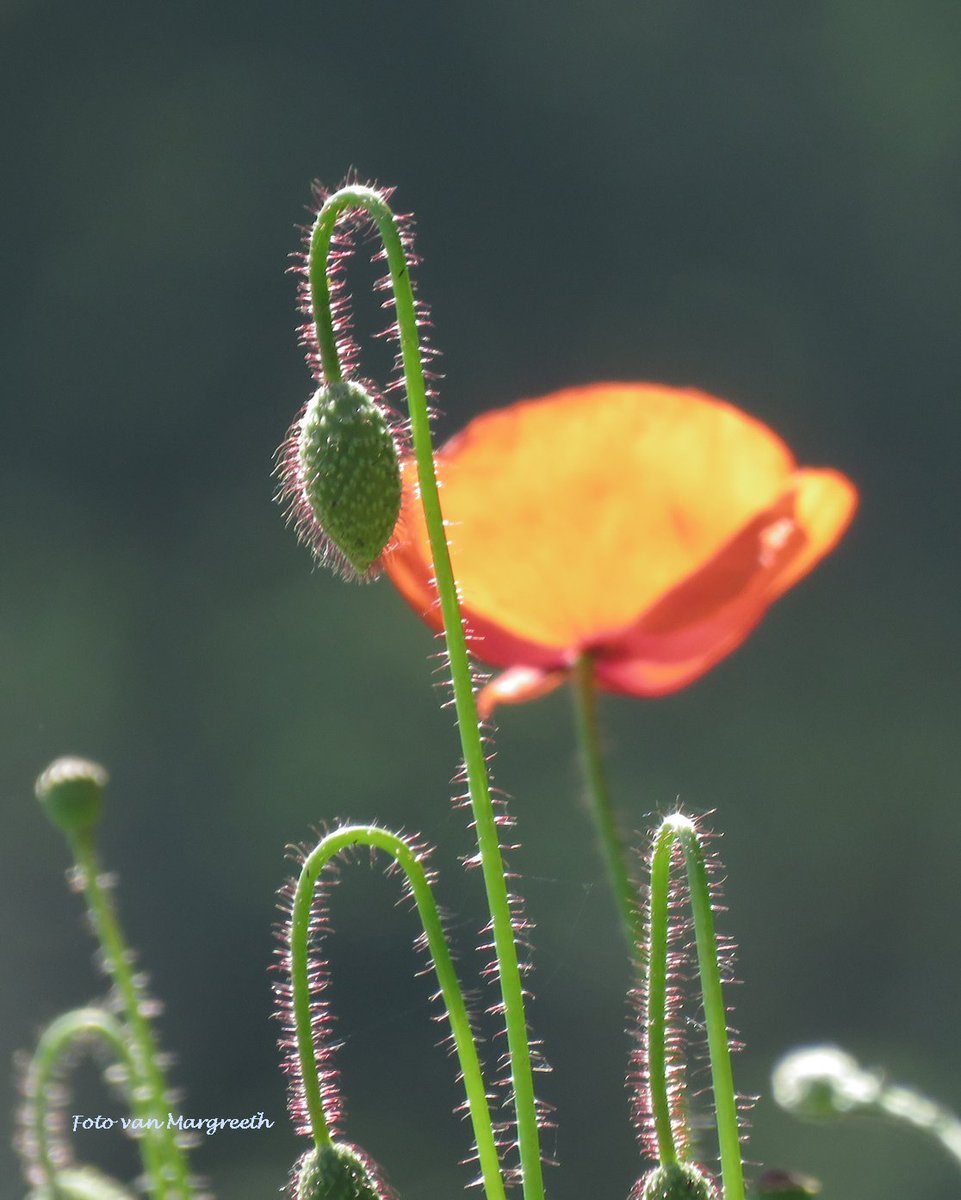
173,1178
406,858
905,1104
465,704
59,1037
615,851
681,829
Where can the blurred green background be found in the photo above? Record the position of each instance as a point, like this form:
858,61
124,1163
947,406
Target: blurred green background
760,199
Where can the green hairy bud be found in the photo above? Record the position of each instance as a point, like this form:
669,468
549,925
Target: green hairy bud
334,1172
348,471
71,792
677,1181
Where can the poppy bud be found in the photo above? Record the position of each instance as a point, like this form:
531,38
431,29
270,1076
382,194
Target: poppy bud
677,1181
71,792
823,1082
348,467
334,1172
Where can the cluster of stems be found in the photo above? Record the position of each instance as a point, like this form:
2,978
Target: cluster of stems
349,200
126,1033
123,1033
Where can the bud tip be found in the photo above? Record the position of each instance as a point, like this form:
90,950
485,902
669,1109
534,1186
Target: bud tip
334,1172
822,1083
676,1181
71,792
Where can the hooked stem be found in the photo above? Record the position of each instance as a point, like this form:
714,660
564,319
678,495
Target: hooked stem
407,859
681,830
56,1042
465,703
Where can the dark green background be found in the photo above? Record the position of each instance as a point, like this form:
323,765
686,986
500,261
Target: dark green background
761,199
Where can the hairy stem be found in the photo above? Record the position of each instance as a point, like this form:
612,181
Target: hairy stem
474,1087
615,851
492,864
682,830
172,1181
59,1040
912,1107
656,1016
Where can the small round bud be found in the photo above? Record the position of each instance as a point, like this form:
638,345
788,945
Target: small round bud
822,1083
334,1172
71,792
348,467
677,1181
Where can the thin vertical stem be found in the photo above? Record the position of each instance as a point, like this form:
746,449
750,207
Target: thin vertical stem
715,1016
465,704
612,843
656,1015
174,1181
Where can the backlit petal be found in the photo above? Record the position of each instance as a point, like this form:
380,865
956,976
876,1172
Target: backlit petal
713,611
649,526
517,686
572,514
412,576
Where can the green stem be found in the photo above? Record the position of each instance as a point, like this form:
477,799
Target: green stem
43,1078
465,704
907,1105
172,1181
656,1016
678,828
615,851
406,857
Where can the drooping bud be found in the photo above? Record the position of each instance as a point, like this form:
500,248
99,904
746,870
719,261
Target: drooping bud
343,474
335,1172
823,1082
676,1181
71,792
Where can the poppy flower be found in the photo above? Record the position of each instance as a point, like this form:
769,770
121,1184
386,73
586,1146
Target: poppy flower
646,526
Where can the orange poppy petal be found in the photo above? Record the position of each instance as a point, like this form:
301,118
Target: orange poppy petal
407,558
516,686
570,515
649,526
413,577
710,614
